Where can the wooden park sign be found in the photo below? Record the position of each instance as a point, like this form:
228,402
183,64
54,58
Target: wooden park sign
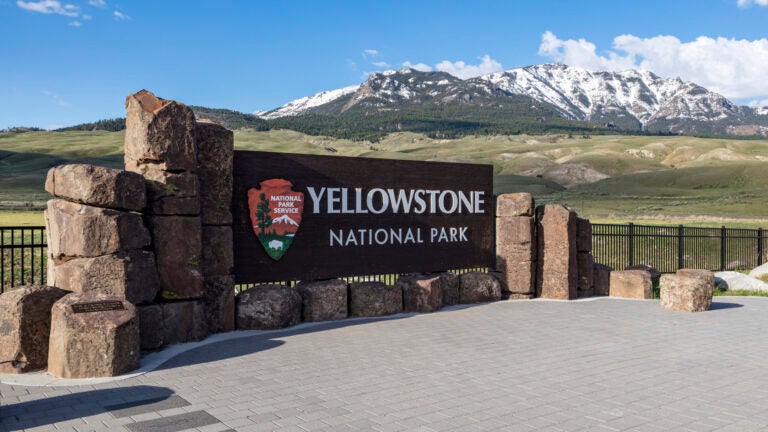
315,217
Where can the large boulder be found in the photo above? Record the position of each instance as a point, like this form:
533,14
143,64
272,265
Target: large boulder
477,287
78,230
514,204
25,327
706,276
151,326
586,283
129,275
266,307
635,284
323,300
159,132
686,291
602,280
171,193
97,186
178,251
218,256
421,293
759,271
215,152
557,274
219,302
370,299
184,321
93,342
735,281
516,253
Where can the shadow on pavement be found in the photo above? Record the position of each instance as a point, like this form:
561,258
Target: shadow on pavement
722,305
55,409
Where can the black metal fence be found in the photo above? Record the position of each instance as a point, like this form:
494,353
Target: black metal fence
23,250
23,255
668,248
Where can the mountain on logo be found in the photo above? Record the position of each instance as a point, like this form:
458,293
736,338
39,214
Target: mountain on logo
285,219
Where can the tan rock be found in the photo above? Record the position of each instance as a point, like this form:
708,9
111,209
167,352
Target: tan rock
266,307
516,276
706,276
689,291
586,282
215,151
602,276
369,299
128,275
631,284
655,274
97,186
516,254
477,287
557,273
184,321
421,293
151,326
178,251
159,132
25,327
323,300
514,204
219,302
583,235
93,344
78,230
218,258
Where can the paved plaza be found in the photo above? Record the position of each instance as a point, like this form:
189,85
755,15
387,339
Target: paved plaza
598,365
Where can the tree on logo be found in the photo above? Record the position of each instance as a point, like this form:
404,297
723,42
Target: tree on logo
262,213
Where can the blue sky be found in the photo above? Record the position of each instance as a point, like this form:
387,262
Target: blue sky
71,61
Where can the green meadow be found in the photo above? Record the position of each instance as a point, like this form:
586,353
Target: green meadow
677,179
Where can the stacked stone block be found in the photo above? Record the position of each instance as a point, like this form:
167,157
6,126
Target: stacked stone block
557,270
689,290
516,245
95,240
636,284
584,260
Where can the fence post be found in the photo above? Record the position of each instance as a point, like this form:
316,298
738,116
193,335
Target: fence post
680,247
631,244
759,246
723,237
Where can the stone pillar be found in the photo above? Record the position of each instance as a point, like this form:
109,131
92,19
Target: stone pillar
516,245
215,152
160,145
585,261
557,273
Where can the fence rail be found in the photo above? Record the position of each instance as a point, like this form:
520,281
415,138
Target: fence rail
23,250
671,247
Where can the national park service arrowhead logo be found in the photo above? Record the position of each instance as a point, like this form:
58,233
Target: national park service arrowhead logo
275,215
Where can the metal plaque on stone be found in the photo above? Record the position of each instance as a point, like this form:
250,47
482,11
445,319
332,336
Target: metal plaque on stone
98,306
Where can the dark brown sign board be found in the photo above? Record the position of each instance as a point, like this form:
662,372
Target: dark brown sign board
98,306
305,217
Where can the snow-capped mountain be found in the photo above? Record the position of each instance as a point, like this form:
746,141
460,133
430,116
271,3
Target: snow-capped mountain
301,106
631,100
284,219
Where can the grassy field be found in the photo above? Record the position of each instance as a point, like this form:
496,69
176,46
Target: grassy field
607,178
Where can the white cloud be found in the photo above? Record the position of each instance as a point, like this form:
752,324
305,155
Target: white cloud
732,67
463,70
748,3
758,103
418,66
86,17
381,64
97,3
74,24
370,53
56,98
121,16
49,7
352,65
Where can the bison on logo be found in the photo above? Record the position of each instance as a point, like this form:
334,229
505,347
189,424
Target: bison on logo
275,214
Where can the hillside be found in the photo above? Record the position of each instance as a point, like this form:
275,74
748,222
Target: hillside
620,176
